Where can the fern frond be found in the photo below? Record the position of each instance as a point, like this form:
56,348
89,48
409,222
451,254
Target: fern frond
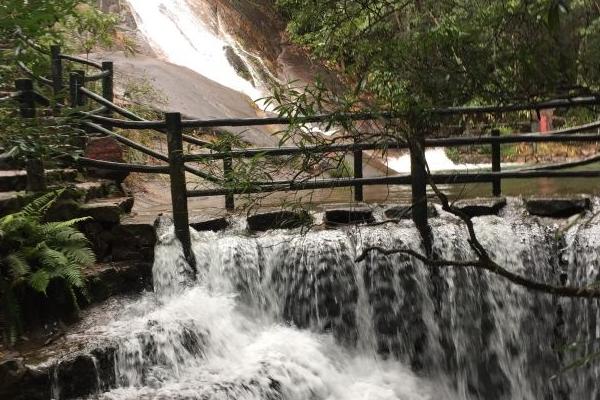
54,226
38,207
58,237
80,255
39,280
72,274
50,258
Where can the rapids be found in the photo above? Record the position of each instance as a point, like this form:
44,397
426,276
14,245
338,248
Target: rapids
291,315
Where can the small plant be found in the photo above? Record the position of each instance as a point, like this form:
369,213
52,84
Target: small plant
35,253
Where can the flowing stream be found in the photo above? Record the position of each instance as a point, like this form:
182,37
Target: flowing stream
291,315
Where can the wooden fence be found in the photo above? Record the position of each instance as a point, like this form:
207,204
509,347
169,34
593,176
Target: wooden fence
176,162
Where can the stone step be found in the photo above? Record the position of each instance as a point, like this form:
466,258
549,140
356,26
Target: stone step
278,220
13,201
481,206
16,180
348,216
107,211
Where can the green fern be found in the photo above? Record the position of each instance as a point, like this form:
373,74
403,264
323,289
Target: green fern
38,207
38,253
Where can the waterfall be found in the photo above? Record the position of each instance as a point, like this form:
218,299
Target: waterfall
291,315
179,36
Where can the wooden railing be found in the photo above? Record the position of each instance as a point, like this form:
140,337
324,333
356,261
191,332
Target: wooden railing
176,162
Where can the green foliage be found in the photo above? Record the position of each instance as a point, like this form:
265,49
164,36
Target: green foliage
46,139
34,253
89,27
461,52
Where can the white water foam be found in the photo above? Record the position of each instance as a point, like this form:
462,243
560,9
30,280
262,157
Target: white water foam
436,159
203,343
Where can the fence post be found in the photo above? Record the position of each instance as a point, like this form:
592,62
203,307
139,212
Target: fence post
81,98
419,189
75,82
227,171
178,185
57,77
36,178
496,161
26,98
107,87
358,172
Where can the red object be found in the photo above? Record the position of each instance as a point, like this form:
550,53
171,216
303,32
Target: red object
544,125
106,149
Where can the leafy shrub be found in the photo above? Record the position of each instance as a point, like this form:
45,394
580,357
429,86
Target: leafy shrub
35,253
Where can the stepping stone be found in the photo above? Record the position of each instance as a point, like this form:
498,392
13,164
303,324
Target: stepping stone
348,216
278,220
482,206
557,207
405,212
107,211
16,180
211,224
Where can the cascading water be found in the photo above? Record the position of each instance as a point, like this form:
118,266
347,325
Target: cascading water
292,316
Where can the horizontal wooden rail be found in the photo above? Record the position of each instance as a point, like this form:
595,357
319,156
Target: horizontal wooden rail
81,61
557,103
563,165
525,138
263,187
12,96
126,167
437,142
29,73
